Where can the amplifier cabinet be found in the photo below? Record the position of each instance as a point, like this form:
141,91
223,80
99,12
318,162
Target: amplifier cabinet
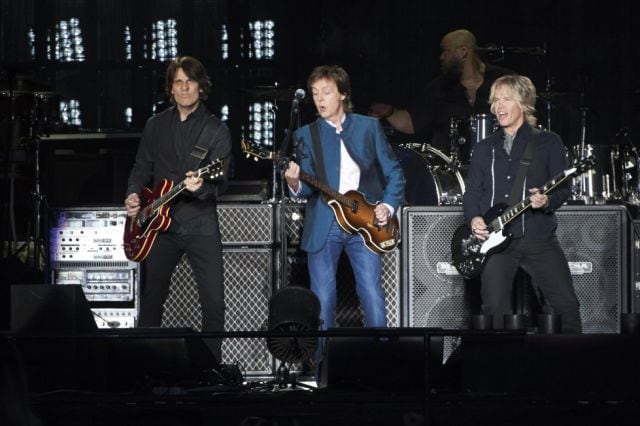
247,289
246,224
594,239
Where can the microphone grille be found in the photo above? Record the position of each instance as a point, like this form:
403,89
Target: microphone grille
300,94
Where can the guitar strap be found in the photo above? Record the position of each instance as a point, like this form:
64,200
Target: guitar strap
525,162
317,151
201,148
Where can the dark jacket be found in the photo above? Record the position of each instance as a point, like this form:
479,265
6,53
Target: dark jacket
492,172
164,153
381,177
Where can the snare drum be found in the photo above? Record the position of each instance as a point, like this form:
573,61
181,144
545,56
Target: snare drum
466,132
431,179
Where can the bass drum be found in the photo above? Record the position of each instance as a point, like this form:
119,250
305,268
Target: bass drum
431,178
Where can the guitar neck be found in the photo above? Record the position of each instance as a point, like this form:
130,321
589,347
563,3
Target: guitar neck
516,210
165,198
325,189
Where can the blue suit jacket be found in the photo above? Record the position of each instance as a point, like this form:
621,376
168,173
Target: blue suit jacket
381,176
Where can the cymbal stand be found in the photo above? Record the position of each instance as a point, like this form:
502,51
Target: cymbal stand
454,143
274,168
633,195
587,187
547,85
38,258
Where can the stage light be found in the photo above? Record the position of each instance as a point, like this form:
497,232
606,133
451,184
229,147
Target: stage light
68,43
224,45
293,309
127,43
224,113
262,42
261,115
164,40
128,116
31,36
70,112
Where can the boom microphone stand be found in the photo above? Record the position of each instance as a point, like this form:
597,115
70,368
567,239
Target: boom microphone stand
283,163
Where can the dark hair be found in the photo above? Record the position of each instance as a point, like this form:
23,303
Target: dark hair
194,69
339,76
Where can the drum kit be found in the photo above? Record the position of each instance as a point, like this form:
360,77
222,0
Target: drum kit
614,179
435,178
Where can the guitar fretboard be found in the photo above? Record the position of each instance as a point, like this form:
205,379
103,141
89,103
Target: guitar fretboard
326,189
515,211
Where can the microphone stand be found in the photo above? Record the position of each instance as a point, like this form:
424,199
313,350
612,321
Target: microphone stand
282,164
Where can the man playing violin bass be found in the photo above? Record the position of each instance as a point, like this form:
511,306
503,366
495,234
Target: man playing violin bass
174,143
349,152
494,171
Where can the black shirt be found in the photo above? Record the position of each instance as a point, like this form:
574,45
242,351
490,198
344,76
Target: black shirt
164,153
442,100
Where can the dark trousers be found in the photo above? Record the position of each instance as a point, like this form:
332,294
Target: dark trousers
547,265
205,257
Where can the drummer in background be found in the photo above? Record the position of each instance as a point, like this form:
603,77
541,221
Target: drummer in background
460,91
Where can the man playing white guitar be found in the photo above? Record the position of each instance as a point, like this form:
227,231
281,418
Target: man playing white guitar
497,176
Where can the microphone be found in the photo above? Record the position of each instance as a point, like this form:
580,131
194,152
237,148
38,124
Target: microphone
299,96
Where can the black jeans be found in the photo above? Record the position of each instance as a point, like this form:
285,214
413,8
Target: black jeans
205,257
547,265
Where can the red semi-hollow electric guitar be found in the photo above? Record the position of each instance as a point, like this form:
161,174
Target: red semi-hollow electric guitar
141,231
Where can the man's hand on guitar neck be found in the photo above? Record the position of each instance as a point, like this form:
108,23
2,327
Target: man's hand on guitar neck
538,200
193,182
479,228
132,204
292,175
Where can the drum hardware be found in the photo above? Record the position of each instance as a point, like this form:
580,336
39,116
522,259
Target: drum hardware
432,178
466,132
29,114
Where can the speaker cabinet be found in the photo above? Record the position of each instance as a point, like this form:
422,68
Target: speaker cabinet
245,224
594,239
247,288
46,308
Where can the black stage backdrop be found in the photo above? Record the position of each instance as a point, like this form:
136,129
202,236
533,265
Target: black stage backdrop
584,53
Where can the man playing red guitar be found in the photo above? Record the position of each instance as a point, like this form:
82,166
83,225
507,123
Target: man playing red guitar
174,143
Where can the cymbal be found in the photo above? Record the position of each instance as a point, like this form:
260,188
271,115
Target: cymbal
271,93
